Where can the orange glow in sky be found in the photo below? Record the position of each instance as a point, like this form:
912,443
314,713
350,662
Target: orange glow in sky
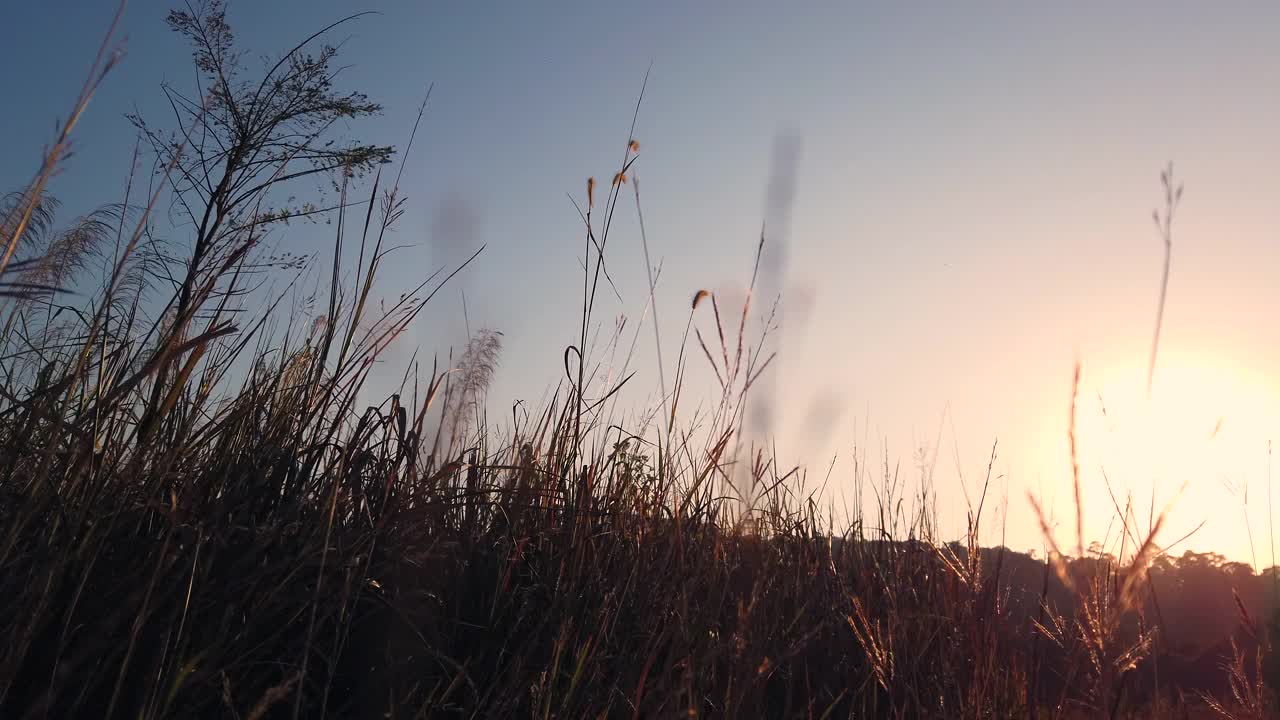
1199,441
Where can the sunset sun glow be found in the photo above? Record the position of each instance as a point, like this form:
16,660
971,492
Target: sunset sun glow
1198,444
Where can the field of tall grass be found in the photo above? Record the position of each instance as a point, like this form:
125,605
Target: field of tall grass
199,518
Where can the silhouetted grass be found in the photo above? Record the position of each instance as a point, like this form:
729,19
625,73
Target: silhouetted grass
198,518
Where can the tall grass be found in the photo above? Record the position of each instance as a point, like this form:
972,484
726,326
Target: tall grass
198,518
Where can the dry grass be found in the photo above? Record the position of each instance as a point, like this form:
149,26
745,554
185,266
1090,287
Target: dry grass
180,538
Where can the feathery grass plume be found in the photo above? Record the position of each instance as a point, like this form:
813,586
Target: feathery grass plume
591,192
33,240
39,223
475,372
68,251
17,219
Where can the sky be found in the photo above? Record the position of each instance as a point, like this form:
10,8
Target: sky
972,206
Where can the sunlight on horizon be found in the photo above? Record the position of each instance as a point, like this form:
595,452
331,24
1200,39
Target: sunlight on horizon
1198,446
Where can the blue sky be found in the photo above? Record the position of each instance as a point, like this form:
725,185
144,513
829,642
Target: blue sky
972,211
